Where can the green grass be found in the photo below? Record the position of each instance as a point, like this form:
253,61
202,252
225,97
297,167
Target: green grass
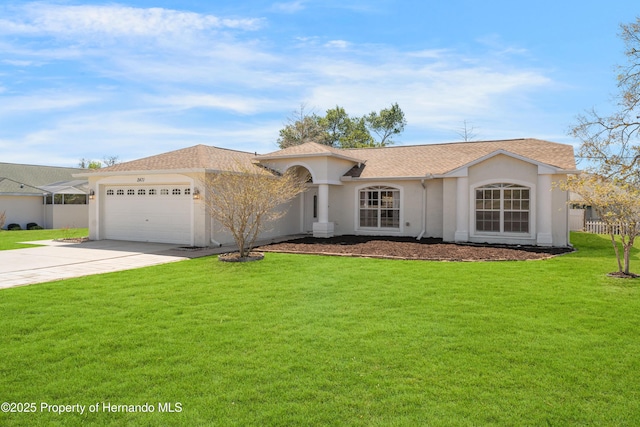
13,239
311,340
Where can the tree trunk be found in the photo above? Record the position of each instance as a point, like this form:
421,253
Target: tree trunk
615,248
627,254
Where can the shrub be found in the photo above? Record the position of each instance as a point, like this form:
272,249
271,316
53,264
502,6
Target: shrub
31,225
14,227
3,218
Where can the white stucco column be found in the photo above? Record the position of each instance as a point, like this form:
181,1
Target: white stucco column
462,210
323,228
544,212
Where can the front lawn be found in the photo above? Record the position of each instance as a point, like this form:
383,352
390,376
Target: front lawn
314,340
13,239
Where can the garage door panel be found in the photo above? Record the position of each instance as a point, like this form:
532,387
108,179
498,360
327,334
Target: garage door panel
144,213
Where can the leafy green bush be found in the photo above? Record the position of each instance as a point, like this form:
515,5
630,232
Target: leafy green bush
14,227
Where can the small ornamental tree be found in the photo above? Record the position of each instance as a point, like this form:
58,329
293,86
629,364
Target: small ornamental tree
611,145
3,219
617,203
246,199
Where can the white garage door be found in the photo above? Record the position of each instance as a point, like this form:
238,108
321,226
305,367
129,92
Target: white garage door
160,213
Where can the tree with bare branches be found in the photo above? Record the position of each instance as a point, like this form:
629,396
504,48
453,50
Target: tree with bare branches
246,199
611,145
467,131
3,218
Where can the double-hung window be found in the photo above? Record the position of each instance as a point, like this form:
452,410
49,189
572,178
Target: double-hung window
503,208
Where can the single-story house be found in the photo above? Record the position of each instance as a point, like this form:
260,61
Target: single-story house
45,195
490,191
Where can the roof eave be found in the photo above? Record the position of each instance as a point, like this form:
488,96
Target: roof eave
140,172
302,156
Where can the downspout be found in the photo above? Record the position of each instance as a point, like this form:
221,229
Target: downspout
424,205
215,242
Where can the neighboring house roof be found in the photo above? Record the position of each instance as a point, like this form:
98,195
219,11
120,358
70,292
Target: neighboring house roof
31,180
199,157
67,187
439,159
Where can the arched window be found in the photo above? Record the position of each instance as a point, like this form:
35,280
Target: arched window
379,207
503,208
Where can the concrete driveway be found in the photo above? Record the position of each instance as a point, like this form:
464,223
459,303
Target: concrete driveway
60,260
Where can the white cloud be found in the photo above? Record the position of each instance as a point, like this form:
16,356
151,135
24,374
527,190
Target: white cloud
43,102
19,62
115,21
289,7
172,64
337,44
435,90
230,102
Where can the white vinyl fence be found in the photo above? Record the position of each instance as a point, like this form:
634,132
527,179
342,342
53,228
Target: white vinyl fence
599,227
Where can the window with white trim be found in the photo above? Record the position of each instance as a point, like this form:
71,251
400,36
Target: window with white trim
380,207
503,208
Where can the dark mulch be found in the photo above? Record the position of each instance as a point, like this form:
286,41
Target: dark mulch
410,248
235,257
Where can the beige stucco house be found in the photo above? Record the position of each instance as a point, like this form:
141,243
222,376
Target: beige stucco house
491,191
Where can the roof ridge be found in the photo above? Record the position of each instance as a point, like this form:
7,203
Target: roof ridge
39,166
449,144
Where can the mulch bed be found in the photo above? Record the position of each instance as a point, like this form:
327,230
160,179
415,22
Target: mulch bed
410,248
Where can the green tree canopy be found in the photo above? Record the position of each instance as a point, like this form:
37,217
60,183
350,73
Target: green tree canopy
338,129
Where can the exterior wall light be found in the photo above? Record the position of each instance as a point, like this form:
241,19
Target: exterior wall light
92,194
196,194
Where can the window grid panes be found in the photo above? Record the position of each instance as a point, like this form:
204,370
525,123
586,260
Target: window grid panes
379,207
502,208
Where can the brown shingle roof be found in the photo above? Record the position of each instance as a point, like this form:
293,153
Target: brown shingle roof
384,162
436,159
197,157
309,149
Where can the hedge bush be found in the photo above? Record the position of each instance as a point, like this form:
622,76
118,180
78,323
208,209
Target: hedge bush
14,227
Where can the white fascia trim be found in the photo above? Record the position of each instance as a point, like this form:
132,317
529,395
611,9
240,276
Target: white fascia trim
302,156
328,181
390,178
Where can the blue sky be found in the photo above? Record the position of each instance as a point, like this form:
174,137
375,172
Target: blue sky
137,78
